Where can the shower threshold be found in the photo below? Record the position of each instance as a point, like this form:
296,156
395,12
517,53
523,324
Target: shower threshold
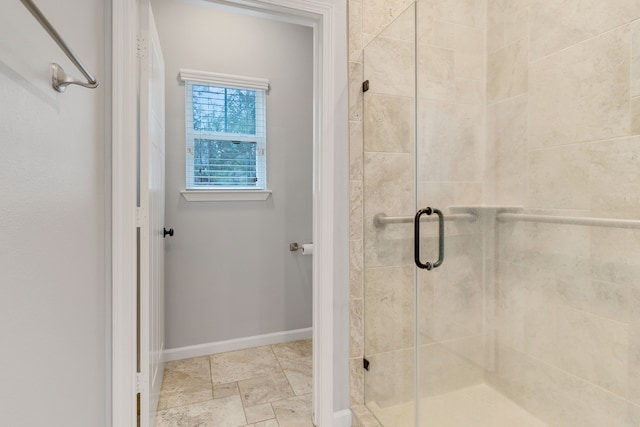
475,406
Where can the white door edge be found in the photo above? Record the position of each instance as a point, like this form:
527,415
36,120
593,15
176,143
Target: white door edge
330,218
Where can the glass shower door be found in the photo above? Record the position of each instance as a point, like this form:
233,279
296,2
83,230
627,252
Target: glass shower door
423,328
451,299
389,191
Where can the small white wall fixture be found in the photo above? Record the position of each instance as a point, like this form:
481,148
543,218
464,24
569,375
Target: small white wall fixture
330,203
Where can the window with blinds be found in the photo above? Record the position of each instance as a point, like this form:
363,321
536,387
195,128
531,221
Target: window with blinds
225,135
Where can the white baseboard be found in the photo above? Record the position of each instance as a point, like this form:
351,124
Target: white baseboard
342,418
235,344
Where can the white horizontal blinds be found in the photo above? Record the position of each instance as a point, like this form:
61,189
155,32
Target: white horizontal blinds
225,129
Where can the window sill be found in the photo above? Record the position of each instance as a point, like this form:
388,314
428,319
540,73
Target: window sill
225,195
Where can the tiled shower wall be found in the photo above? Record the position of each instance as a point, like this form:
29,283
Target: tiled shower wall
367,19
563,119
563,123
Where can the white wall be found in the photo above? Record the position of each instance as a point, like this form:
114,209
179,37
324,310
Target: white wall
229,272
53,293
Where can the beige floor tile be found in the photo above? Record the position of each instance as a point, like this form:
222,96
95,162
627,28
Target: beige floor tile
225,412
185,382
258,413
256,391
301,349
243,364
225,390
298,372
294,412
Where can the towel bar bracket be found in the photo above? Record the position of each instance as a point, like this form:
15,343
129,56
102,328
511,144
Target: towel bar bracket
59,78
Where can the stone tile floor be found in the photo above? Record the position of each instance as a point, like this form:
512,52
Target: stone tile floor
258,387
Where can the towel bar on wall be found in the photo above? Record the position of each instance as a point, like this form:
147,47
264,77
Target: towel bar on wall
60,79
382,219
570,220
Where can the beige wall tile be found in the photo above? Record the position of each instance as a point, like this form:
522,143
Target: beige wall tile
516,26
388,188
436,73
356,325
447,138
444,34
391,378
615,178
507,129
389,66
635,116
633,415
355,91
403,27
355,30
355,210
559,178
582,93
635,60
469,48
458,288
634,353
389,308
357,381
609,300
425,15
615,255
495,38
591,347
457,11
388,123
355,269
557,397
378,14
355,151
426,304
508,72
469,91
558,24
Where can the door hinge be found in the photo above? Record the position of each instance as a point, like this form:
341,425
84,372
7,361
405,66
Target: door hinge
365,364
141,47
141,217
138,382
365,85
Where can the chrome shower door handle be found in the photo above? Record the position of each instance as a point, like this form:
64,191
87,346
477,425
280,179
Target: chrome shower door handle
416,228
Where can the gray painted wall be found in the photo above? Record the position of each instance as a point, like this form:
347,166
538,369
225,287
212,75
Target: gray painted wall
53,295
229,273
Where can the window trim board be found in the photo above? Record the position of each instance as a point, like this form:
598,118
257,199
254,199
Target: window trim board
216,195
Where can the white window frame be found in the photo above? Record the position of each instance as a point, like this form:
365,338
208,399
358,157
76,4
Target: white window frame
225,193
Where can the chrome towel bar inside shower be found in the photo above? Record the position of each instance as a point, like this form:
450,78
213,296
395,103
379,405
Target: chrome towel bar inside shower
383,219
570,220
60,80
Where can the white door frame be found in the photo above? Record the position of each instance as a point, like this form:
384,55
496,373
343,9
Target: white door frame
330,204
